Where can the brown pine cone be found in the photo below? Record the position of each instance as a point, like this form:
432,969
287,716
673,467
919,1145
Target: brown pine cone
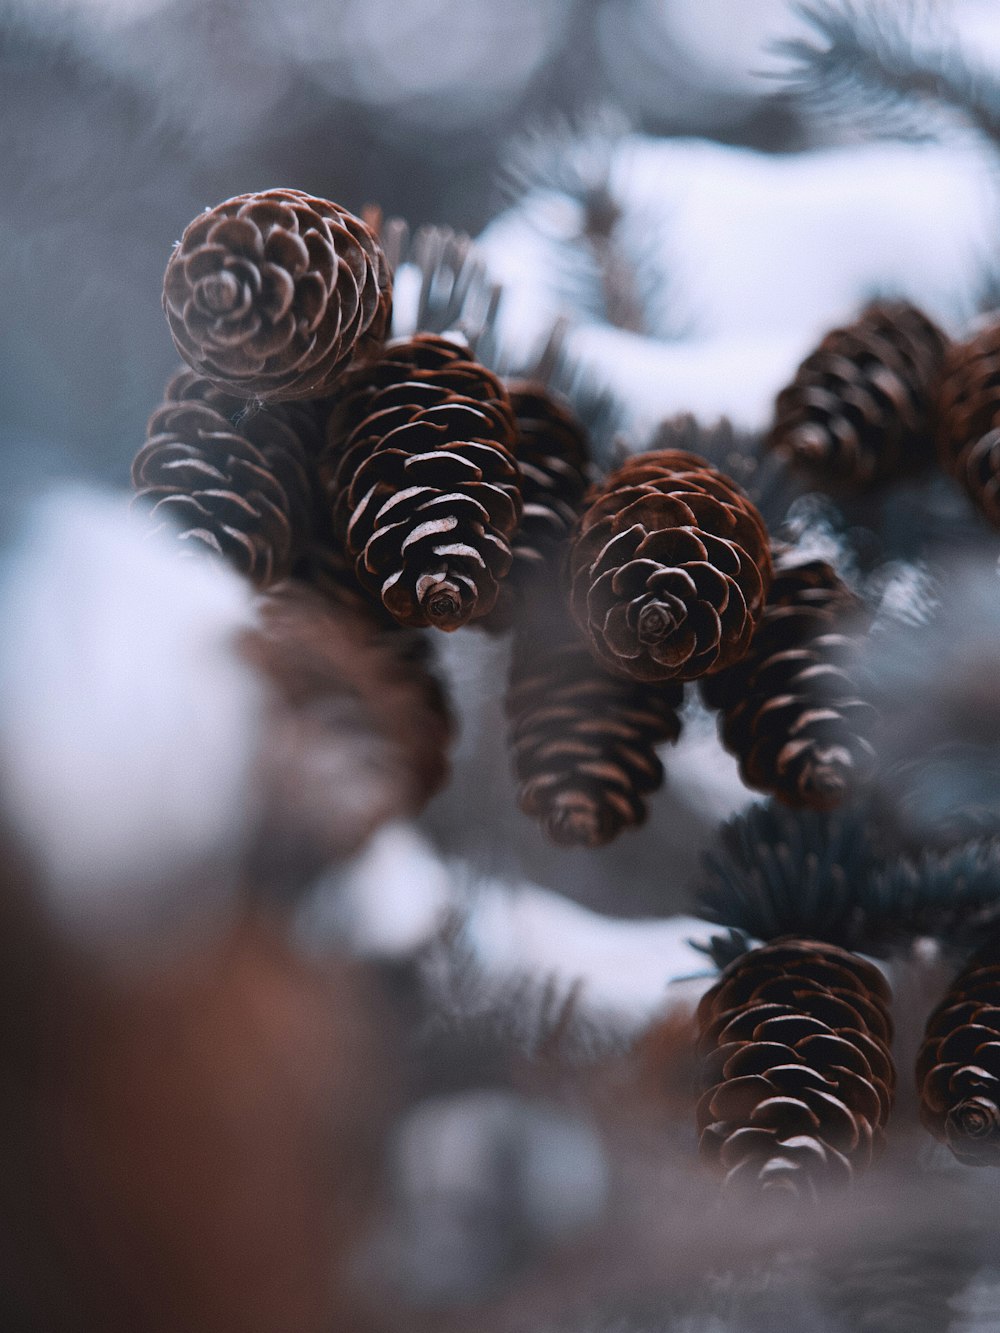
799,1080
554,456
235,479
969,419
422,481
273,294
583,742
859,411
329,571
958,1067
669,568
362,735
790,714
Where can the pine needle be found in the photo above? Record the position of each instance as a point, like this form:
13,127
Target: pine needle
891,69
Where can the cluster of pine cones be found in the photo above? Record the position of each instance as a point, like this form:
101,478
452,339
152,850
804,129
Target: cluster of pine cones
399,485
795,1036
798,1073
889,397
411,488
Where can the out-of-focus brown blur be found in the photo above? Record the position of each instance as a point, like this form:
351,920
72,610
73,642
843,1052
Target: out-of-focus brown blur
304,1025
195,1146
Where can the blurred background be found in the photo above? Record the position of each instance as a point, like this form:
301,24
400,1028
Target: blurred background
187,1140
123,118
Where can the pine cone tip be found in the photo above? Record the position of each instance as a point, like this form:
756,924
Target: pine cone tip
825,783
441,602
958,1067
575,822
972,1131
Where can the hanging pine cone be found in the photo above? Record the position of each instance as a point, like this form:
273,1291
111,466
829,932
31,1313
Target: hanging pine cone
422,481
553,454
790,713
234,479
669,568
583,742
859,411
798,1075
958,1067
969,419
329,571
273,294
361,737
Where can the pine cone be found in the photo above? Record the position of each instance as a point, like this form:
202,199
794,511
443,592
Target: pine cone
859,411
553,454
958,1067
273,294
421,477
789,711
797,1067
740,454
583,741
362,737
234,479
329,571
969,419
669,568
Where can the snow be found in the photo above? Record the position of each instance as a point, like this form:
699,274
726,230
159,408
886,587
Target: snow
399,893
127,724
761,253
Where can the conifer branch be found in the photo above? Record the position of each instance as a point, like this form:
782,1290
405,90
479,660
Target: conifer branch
792,872
884,68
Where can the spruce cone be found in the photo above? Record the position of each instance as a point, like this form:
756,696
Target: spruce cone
234,479
958,1067
859,411
273,294
969,419
797,1068
669,567
362,736
553,454
325,568
789,712
583,741
424,488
